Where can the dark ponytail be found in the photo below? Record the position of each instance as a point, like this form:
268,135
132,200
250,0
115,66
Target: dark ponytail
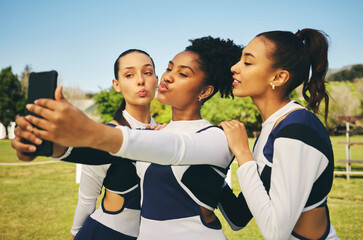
317,49
118,116
297,53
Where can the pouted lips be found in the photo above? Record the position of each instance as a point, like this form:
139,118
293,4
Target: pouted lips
163,87
142,93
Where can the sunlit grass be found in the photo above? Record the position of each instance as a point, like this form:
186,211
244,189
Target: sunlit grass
38,202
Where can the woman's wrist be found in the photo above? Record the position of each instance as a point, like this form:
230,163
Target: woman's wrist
243,157
106,138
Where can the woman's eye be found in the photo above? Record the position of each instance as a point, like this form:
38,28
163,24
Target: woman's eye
148,73
129,75
168,69
183,75
247,63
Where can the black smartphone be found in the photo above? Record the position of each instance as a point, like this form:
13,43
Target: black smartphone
42,85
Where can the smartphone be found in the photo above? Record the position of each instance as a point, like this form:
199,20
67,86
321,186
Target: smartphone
42,85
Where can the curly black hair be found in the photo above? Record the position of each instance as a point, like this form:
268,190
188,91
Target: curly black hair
216,56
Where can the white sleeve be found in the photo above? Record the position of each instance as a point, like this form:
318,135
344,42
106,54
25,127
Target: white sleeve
65,154
89,189
295,168
166,148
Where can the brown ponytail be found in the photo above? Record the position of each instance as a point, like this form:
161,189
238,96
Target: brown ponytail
297,53
317,49
119,117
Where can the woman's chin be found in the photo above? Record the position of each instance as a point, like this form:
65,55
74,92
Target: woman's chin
162,99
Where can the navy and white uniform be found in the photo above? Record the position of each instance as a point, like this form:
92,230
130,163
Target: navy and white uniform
120,178
172,195
292,172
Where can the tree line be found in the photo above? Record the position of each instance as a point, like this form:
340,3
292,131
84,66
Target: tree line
354,72
346,100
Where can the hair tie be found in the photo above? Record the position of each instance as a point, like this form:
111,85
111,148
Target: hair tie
298,35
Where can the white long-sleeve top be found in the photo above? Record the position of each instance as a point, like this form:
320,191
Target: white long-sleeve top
127,221
177,145
295,160
172,195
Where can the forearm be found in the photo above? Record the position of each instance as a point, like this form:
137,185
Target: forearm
90,156
166,148
89,189
105,138
294,170
234,209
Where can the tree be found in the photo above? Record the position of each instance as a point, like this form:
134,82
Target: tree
160,112
12,98
218,109
356,71
108,102
24,78
343,102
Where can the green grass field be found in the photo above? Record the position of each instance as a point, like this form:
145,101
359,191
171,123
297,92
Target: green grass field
38,202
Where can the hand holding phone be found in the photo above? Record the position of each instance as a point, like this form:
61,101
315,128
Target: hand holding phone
42,85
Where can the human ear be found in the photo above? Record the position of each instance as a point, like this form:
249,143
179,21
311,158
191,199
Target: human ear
206,91
116,85
281,78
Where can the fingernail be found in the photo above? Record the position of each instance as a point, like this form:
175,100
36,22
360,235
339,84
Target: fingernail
27,117
35,101
28,106
32,149
38,141
29,128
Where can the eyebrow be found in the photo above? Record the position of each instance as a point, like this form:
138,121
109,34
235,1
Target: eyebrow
182,66
146,65
248,54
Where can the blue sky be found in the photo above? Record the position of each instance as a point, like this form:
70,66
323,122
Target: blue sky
82,39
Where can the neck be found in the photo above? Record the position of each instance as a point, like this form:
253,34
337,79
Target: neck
192,113
269,105
140,113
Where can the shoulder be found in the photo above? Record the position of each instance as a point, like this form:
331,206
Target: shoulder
210,127
95,170
113,123
301,120
303,126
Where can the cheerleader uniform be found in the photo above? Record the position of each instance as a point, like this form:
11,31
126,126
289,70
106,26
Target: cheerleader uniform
120,178
172,195
292,172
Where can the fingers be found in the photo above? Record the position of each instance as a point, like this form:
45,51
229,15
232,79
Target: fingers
58,95
39,122
23,123
231,124
227,125
22,156
19,145
40,110
162,126
44,134
22,148
157,127
26,135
